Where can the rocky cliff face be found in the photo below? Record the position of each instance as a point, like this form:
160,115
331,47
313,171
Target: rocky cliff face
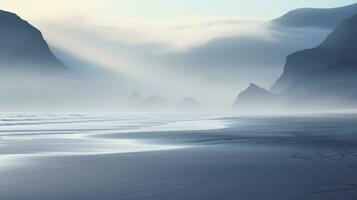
337,54
23,46
322,77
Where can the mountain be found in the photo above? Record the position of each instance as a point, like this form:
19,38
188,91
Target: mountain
322,77
154,103
23,46
189,103
254,96
316,17
337,51
305,62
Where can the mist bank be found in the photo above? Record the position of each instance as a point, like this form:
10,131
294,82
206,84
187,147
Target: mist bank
206,59
43,91
192,65
35,77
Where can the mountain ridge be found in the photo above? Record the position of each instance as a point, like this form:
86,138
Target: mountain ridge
321,77
338,45
316,17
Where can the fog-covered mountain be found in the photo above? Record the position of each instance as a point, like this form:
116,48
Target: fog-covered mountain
322,77
317,17
33,79
23,46
189,104
338,50
254,96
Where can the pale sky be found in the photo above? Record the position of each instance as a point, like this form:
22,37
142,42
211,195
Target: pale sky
162,9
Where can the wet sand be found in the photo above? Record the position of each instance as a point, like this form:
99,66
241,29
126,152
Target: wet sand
253,158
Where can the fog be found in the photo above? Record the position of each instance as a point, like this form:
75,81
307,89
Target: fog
210,61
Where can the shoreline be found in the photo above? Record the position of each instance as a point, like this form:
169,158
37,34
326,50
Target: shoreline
276,157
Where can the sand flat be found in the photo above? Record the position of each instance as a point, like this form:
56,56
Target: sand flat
288,157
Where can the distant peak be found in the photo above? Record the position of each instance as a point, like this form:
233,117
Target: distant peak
255,87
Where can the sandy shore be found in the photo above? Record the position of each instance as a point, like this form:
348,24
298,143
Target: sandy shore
252,159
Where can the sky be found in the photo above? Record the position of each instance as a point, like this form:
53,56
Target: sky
162,9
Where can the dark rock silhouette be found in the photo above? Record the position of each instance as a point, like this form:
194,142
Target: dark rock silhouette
322,77
325,18
256,97
22,45
337,53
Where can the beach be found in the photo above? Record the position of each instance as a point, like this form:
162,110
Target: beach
178,157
